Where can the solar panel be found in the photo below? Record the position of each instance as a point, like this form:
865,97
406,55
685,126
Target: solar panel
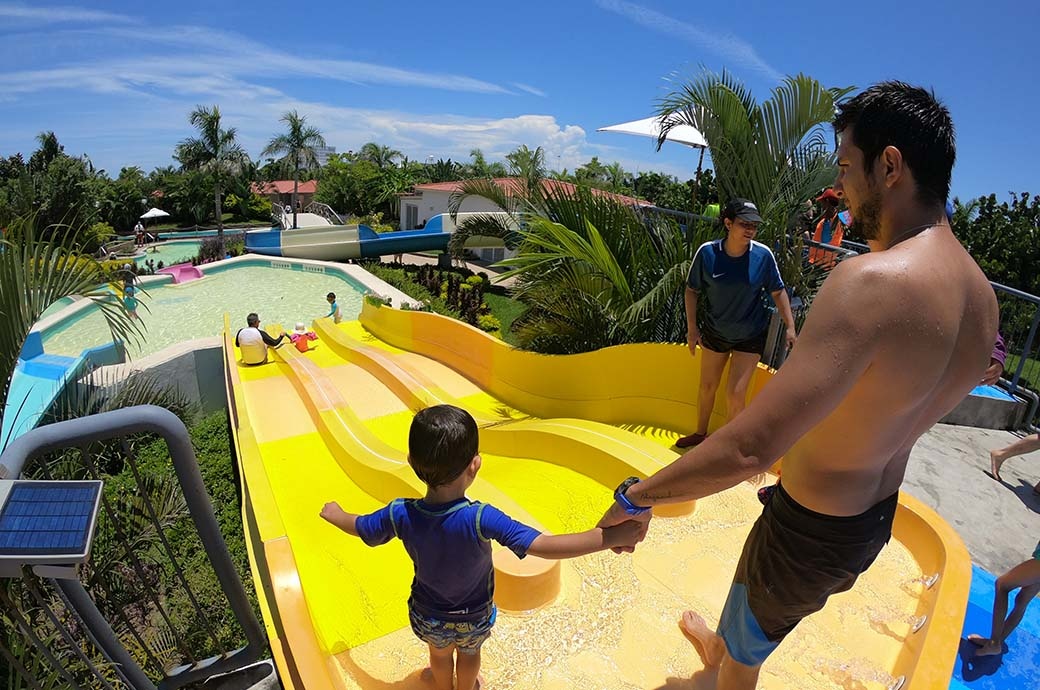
50,519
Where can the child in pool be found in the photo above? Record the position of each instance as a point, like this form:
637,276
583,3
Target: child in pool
301,337
334,311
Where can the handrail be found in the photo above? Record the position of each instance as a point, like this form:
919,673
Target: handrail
325,211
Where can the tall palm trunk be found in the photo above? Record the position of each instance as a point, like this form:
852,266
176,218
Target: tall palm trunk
220,218
295,186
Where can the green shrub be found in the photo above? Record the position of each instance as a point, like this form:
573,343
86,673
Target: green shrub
487,322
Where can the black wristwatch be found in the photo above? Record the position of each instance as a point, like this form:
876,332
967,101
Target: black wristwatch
627,505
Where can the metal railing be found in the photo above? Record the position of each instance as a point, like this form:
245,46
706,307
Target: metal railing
160,603
325,211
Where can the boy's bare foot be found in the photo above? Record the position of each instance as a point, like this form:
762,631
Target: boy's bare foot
709,645
990,648
995,461
426,675
977,640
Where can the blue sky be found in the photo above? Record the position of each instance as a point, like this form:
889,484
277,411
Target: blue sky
116,80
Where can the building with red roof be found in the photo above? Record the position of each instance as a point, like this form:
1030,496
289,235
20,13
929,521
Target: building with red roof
280,191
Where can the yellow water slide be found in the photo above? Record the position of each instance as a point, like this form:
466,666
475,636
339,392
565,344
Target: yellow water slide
557,433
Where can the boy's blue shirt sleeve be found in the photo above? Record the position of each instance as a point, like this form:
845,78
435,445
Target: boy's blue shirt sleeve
378,527
335,306
492,523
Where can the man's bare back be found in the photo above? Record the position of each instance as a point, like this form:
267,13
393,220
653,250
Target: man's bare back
936,315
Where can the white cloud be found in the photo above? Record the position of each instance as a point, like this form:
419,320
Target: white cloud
57,15
530,89
724,45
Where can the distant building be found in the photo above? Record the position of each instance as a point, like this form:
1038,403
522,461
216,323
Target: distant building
427,200
280,191
322,153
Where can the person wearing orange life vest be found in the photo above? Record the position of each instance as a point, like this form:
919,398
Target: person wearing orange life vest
829,230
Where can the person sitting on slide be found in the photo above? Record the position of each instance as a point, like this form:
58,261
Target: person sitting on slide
253,342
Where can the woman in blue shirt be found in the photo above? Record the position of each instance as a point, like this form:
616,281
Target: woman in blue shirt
731,276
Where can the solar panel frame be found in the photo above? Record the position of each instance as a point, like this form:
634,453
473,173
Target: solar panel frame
47,522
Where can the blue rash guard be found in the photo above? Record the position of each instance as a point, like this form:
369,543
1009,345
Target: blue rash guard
450,547
734,289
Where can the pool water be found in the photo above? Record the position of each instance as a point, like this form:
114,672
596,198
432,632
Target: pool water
175,313
170,253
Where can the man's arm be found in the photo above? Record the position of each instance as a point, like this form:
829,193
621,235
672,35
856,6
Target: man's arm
269,340
836,346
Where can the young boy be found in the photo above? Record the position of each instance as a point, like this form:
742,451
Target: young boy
334,312
1025,575
130,301
448,538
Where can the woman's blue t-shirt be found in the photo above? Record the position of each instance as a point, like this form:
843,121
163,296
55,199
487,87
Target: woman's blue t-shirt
450,547
734,288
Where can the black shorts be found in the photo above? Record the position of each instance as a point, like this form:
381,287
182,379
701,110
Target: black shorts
793,560
712,341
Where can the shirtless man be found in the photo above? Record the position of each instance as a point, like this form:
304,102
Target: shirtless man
894,340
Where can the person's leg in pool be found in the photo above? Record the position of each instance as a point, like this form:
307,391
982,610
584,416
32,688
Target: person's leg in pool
1019,447
733,675
1025,575
741,367
442,666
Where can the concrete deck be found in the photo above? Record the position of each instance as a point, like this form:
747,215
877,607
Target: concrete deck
999,522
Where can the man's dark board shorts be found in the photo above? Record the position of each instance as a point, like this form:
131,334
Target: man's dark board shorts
714,342
793,560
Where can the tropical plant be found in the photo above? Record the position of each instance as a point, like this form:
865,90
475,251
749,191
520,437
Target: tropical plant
381,156
215,152
775,153
34,274
298,146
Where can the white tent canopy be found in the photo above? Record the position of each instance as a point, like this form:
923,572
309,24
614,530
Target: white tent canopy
155,213
651,127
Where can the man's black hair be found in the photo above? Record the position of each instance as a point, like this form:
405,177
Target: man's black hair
252,319
911,119
441,444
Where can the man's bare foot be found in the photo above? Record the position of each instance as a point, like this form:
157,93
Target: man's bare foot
709,645
990,648
995,461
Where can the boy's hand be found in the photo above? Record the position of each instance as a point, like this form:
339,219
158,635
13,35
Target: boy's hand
624,536
330,511
615,516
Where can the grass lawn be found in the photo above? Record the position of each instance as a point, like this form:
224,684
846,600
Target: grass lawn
505,309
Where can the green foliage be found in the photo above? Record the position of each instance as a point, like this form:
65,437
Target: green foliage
210,247
488,322
1003,237
97,235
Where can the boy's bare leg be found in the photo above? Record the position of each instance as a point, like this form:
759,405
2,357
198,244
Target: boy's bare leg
733,675
1019,447
467,671
442,666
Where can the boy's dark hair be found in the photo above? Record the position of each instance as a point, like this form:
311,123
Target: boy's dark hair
331,295
893,113
441,444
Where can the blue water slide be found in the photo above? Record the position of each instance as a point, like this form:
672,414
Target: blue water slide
432,237
39,379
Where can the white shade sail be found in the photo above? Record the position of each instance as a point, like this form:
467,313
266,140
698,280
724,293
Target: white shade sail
651,127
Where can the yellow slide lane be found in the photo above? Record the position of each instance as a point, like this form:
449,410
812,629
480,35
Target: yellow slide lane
332,424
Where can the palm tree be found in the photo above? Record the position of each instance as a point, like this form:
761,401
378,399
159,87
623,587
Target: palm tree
775,153
34,274
298,146
382,156
528,165
216,152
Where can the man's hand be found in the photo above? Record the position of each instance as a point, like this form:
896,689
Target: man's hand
790,336
616,515
693,337
992,373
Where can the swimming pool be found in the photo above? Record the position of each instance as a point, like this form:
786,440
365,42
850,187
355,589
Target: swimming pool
170,253
174,313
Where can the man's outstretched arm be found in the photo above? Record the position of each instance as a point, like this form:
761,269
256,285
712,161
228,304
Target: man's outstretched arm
837,344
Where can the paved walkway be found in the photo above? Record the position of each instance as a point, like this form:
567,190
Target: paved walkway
475,266
999,522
